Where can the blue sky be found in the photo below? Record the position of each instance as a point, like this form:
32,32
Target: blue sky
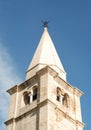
20,32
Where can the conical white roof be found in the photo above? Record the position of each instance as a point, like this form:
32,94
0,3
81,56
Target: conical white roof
46,54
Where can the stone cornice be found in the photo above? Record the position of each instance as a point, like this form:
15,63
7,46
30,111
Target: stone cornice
26,113
9,121
78,92
12,90
41,104
47,69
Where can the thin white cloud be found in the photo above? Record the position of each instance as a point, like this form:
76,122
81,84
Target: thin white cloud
8,78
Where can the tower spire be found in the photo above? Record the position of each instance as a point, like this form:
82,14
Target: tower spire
45,55
45,101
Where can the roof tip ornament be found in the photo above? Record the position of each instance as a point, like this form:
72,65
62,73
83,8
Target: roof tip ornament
45,24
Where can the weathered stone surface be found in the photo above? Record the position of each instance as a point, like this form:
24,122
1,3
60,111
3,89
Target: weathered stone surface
46,112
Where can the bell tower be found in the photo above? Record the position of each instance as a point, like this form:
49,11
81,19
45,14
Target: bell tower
45,100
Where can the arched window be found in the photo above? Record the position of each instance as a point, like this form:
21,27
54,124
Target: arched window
66,100
26,98
59,95
30,96
35,93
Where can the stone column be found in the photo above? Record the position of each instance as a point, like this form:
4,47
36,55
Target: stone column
60,99
31,96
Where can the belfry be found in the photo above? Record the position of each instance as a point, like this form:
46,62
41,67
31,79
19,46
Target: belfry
45,100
